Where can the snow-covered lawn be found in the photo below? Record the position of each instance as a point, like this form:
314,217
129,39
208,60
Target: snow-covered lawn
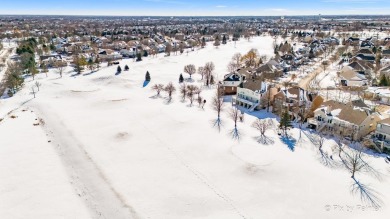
153,159
33,182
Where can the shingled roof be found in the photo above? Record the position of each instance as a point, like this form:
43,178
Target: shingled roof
347,111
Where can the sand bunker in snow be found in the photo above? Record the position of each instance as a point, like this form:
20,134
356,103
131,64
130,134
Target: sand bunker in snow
84,91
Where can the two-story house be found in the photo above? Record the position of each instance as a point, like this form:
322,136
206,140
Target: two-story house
352,119
382,133
294,99
251,92
230,83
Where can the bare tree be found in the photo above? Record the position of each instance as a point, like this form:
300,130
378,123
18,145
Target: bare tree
168,49
198,91
33,91
158,88
237,59
199,100
170,89
209,70
262,125
234,115
183,91
191,90
60,69
37,84
217,103
324,65
201,71
217,42
231,67
190,69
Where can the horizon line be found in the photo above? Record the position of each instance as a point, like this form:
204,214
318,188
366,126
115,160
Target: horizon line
96,15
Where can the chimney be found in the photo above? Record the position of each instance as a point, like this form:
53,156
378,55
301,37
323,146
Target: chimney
328,109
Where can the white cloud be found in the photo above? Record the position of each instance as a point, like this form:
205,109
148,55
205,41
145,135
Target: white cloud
221,6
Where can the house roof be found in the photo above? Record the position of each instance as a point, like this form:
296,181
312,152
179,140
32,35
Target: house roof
269,67
246,71
252,84
232,77
346,111
359,103
349,74
365,51
360,65
385,121
386,52
366,57
295,93
385,69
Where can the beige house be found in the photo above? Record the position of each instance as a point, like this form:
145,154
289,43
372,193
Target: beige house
52,60
349,77
382,133
352,119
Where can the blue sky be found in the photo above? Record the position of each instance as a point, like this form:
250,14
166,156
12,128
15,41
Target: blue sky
195,7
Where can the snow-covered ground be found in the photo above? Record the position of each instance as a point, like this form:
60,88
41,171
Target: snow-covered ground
130,154
33,181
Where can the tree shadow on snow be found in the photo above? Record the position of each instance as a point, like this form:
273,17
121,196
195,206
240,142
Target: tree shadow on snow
235,134
168,100
75,74
327,160
90,73
217,123
264,140
289,141
155,96
367,194
145,83
118,73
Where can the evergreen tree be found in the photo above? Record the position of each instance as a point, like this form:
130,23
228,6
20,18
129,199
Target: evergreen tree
285,121
119,69
181,79
203,42
147,76
224,39
139,57
91,65
383,81
374,50
126,67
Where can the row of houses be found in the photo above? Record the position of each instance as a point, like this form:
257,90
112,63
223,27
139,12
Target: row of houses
354,119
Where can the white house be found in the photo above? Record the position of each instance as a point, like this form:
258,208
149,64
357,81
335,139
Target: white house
382,133
251,93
